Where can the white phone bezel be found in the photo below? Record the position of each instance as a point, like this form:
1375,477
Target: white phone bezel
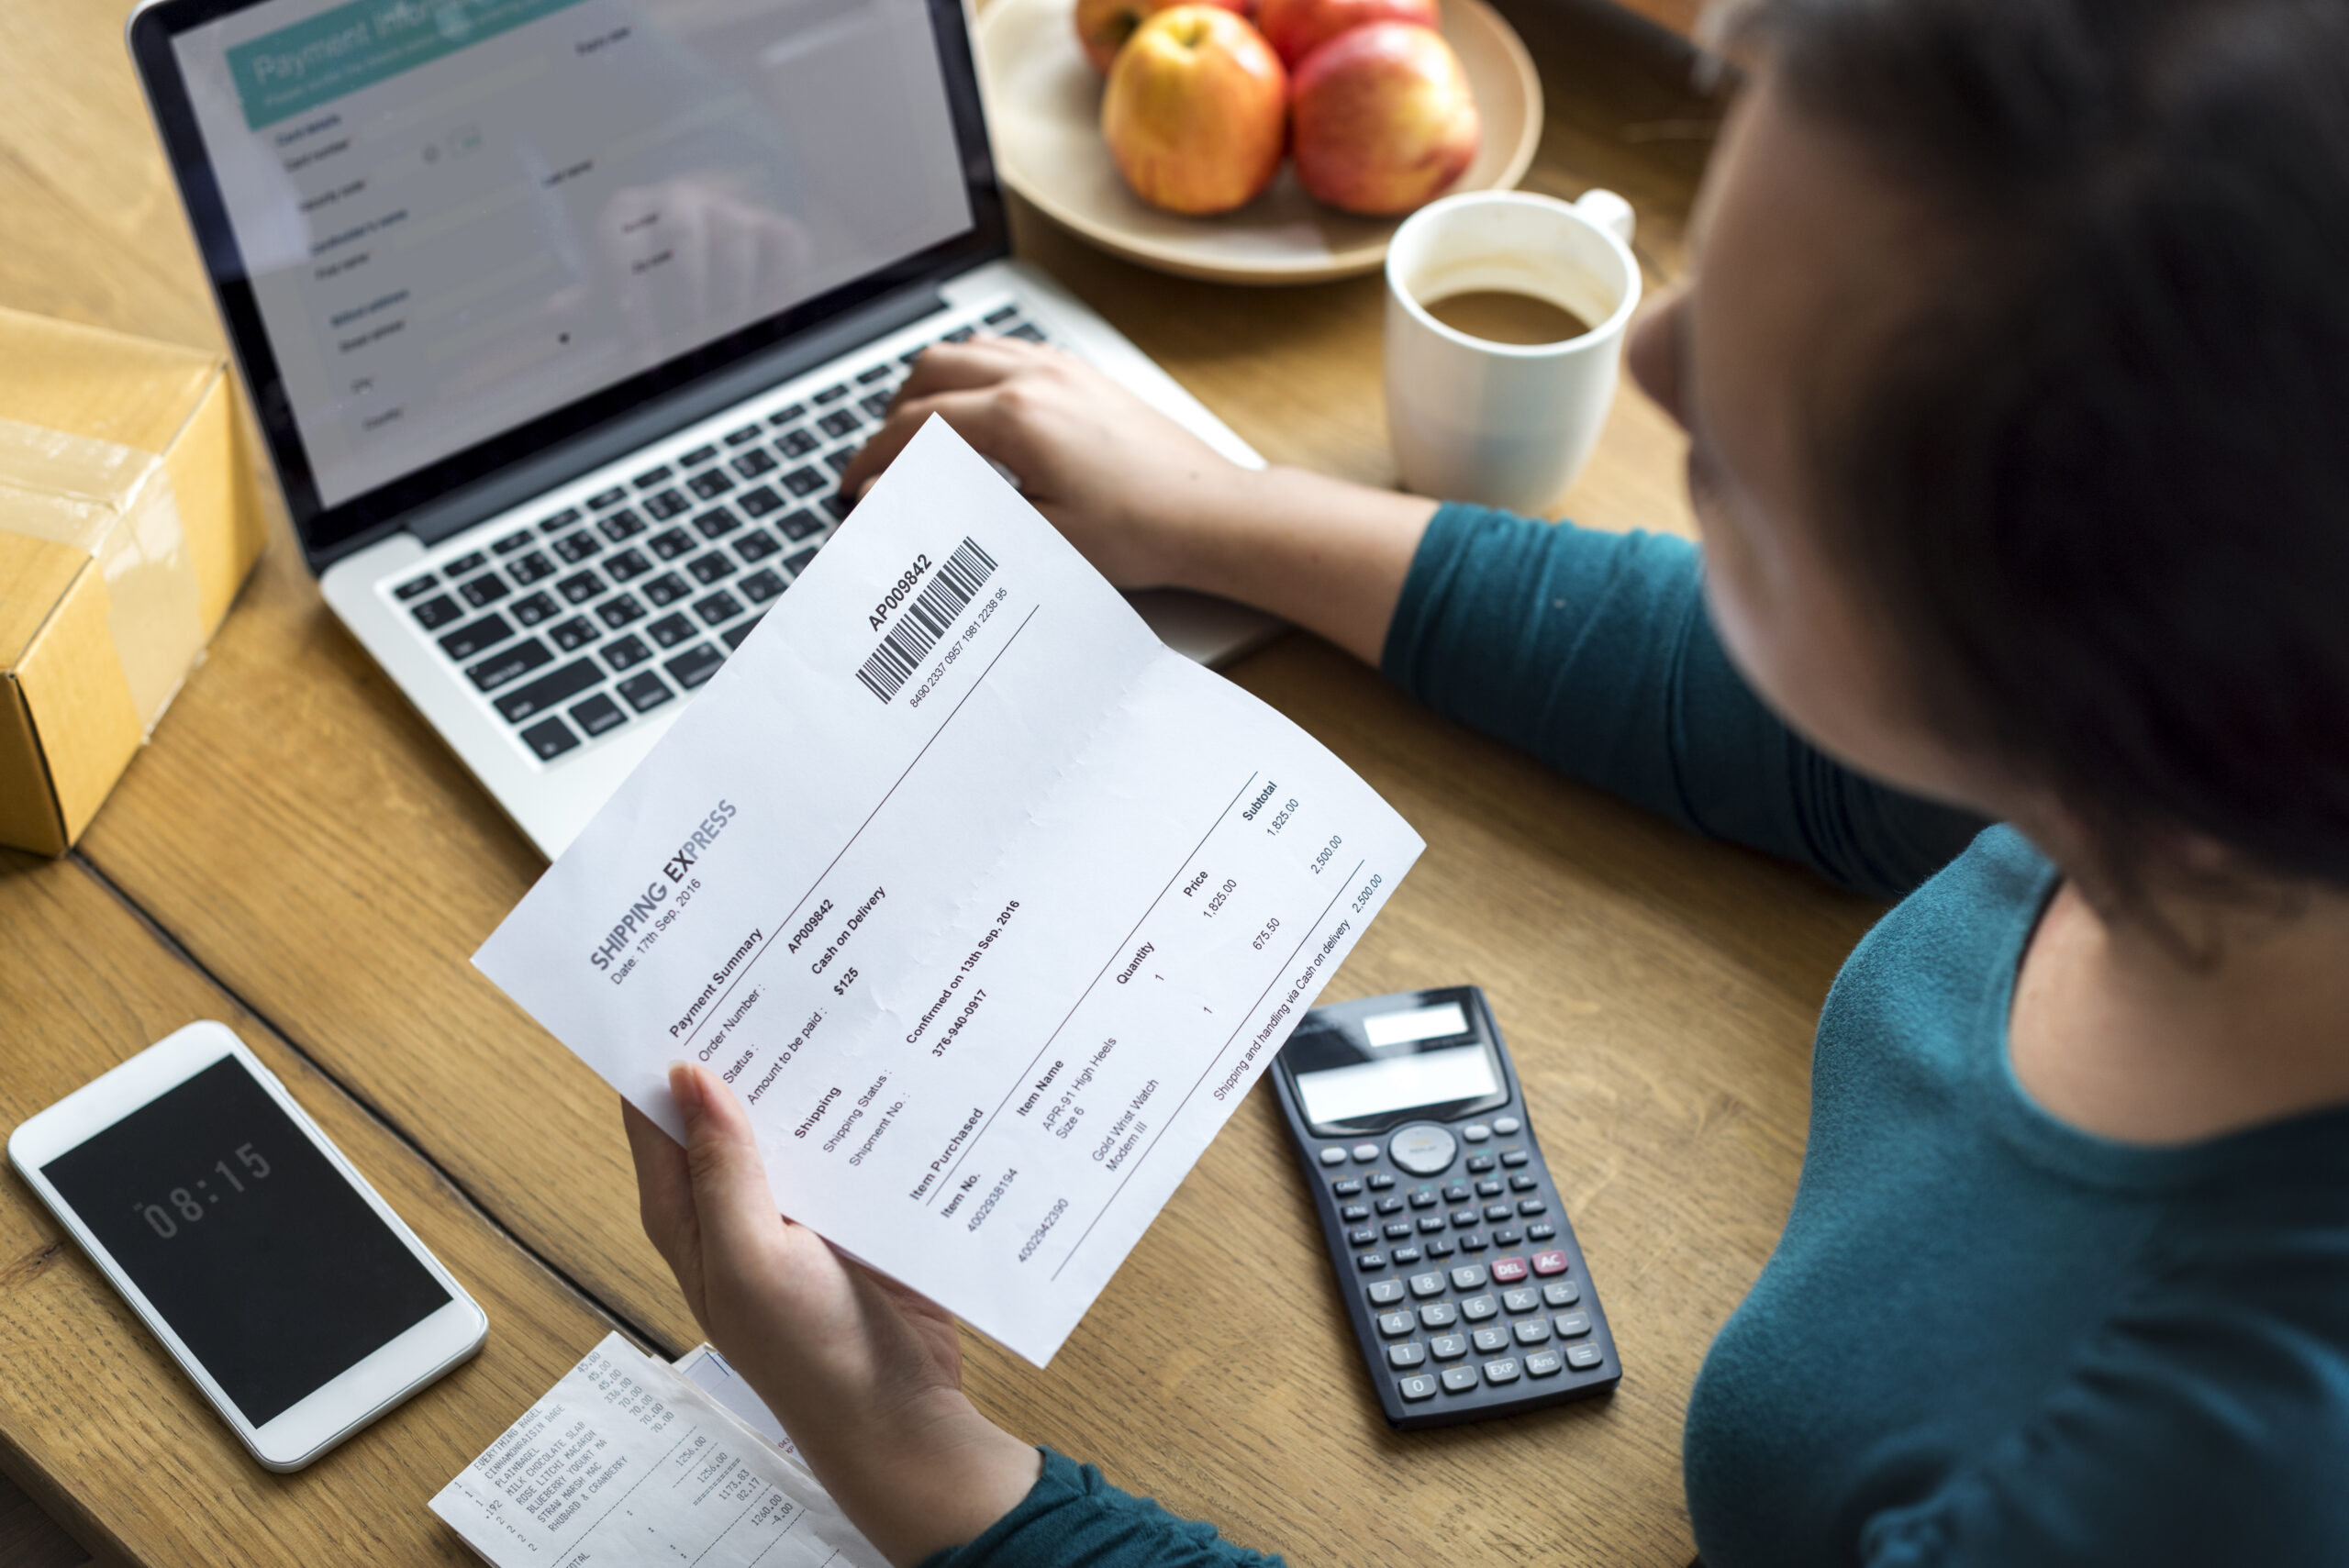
331,1413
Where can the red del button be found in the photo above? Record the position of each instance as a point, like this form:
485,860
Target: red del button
1507,1271
1549,1263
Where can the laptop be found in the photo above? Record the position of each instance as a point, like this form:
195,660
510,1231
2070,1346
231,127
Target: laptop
561,318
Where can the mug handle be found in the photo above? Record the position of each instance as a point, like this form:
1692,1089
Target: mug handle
1609,211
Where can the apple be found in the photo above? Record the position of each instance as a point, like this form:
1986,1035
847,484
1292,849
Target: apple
1103,25
1382,118
1196,111
1296,28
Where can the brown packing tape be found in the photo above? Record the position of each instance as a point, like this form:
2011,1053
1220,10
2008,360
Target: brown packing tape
114,504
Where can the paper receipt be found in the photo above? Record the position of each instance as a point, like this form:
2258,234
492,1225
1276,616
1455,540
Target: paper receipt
990,906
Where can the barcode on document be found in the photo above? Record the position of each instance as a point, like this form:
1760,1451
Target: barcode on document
927,620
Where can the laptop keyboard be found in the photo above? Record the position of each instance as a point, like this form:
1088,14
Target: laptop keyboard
632,594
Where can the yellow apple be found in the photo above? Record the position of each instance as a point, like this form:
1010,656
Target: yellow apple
1383,119
1296,28
1196,110
1103,25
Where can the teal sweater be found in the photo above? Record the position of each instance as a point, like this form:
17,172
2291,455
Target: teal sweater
1985,1338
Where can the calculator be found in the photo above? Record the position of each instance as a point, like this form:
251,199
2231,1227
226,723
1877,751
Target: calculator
1468,1293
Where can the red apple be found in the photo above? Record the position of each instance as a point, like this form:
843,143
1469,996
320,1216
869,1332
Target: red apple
1382,118
1296,28
1103,25
1197,110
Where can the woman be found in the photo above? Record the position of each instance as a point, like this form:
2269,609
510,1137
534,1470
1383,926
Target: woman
2014,371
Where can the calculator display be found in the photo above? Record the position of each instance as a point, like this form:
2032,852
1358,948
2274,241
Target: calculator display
1398,1083
1441,1022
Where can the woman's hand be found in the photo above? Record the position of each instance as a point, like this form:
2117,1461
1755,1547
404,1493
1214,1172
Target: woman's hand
1152,506
866,1375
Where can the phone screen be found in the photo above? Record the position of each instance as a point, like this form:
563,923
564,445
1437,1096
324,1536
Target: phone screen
273,1270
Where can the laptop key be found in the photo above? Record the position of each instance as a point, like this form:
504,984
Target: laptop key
513,542
510,663
839,422
829,394
803,482
666,504
604,500
800,525
1001,314
581,587
670,630
707,569
733,635
752,463
574,634
761,585
484,591
624,652
560,521
1027,329
650,477
841,459
756,546
718,606
715,521
695,665
549,691
475,636
698,455
474,562
645,692
527,569
550,739
598,715
878,404
797,563
532,608
838,507
413,587
437,612
628,563
877,372
759,501
576,548
622,524
783,417
617,612
709,483
673,544
795,443
747,433
666,589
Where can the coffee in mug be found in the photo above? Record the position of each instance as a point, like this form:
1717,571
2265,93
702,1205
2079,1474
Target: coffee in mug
1506,316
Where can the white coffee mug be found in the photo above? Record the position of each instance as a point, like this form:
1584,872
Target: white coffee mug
1504,424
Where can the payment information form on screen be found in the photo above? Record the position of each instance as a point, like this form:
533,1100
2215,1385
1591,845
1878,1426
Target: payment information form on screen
990,906
459,215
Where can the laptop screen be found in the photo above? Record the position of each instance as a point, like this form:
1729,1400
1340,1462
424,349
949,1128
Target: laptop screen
458,216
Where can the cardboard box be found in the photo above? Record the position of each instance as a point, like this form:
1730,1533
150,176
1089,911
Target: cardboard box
128,519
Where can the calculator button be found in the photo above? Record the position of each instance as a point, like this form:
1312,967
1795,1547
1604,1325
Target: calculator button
1473,1242
1412,1354
1488,1188
1464,1217
1362,1235
1439,1315
1427,1284
1448,1347
1531,1331
1508,1236
1423,1149
1561,1292
1540,1231
1544,1364
1513,1158
1370,1263
1507,1271
1469,1276
1479,1163
1521,1183
1392,1324
1346,1186
1423,1196
1333,1155
1366,1152
1459,1379
1390,1206
1419,1385
1525,1298
1506,1125
1572,1325
1497,1212
1385,1293
1381,1180
1406,1255
1476,1309
1529,1206
1432,1224
1491,1339
1501,1370
1398,1230
1354,1213
1582,1358
1476,1132
1546,1264
1457,1193
1441,1248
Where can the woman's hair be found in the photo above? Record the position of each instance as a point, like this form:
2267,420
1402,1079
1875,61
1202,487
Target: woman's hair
2101,480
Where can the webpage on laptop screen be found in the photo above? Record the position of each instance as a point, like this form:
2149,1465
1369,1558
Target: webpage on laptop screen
459,215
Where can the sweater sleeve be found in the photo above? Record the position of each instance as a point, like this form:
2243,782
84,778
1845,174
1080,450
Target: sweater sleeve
1592,651
1073,1517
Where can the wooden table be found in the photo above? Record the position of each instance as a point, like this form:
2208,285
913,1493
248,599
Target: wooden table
296,854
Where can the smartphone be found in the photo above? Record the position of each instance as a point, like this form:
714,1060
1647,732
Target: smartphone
288,1292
